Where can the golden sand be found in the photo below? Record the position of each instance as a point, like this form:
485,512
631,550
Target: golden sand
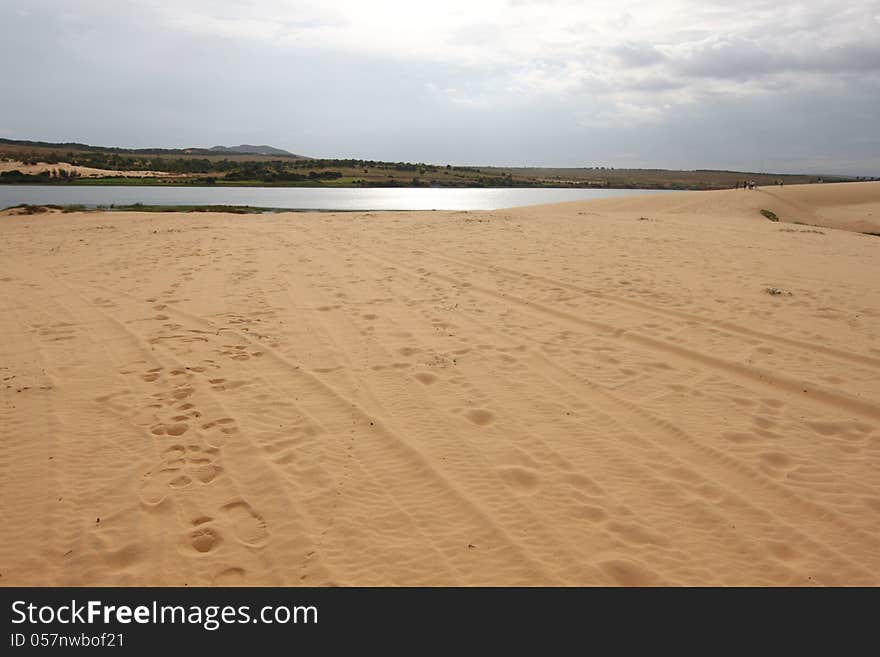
591,393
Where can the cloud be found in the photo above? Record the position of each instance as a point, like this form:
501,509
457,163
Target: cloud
732,56
637,55
371,78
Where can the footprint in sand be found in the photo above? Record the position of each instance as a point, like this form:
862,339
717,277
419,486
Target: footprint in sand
182,393
229,576
175,429
204,539
628,573
479,416
220,430
180,467
782,551
776,459
157,484
247,525
204,472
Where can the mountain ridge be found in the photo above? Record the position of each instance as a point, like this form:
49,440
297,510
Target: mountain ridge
250,149
243,149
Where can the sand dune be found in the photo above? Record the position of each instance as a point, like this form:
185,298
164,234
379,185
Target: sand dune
845,206
596,393
83,172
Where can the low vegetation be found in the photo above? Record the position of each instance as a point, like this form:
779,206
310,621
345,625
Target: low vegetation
24,208
207,167
801,230
770,215
233,209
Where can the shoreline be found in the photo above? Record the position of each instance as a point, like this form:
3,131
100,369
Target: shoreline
766,201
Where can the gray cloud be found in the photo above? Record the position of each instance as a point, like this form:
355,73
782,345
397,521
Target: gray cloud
637,54
731,56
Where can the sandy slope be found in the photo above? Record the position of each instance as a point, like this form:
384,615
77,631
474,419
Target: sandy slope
845,206
84,172
589,393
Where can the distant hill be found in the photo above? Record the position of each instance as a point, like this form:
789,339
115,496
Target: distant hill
247,164
250,149
244,149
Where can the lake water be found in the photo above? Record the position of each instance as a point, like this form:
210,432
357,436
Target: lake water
304,198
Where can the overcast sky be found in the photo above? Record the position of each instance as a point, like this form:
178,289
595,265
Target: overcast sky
751,85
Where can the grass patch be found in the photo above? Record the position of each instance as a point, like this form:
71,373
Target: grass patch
770,215
24,208
232,209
